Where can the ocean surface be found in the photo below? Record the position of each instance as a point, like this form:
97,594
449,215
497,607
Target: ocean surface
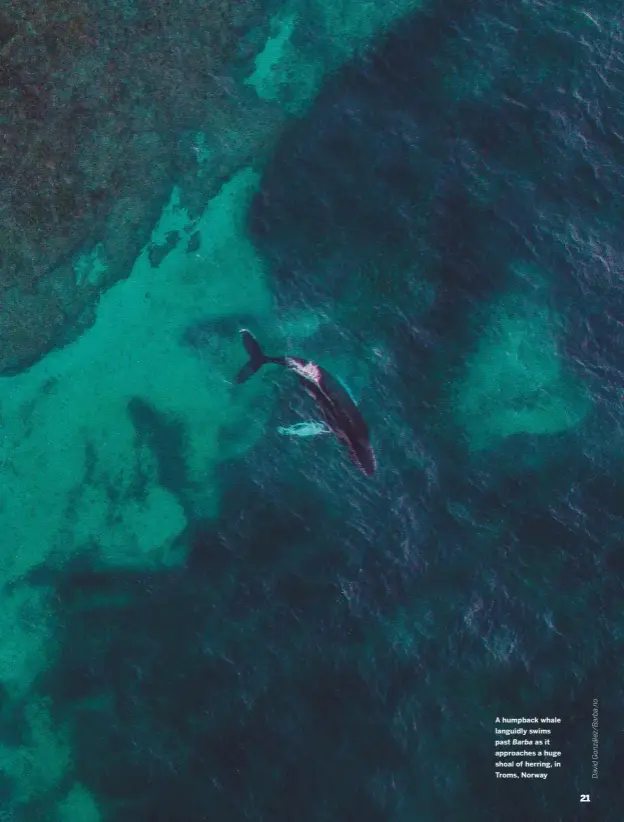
243,626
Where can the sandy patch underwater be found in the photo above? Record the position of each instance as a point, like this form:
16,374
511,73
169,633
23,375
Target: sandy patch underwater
74,473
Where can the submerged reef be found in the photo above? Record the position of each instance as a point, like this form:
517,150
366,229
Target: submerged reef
105,108
96,102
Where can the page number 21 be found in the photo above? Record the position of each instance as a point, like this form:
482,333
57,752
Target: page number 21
584,797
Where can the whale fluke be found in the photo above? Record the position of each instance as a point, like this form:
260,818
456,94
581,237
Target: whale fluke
257,357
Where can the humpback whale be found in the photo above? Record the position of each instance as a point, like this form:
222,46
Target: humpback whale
338,409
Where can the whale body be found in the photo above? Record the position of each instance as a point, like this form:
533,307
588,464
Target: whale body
334,401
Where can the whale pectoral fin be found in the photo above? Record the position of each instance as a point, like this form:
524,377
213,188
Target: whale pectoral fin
305,429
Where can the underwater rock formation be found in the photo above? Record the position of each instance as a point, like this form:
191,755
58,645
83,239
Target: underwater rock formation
95,101
104,108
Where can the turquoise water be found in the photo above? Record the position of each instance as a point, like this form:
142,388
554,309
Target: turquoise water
205,620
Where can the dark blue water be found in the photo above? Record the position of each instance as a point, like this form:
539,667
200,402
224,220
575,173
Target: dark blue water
339,648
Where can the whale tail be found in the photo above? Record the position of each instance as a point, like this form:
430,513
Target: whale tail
257,357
